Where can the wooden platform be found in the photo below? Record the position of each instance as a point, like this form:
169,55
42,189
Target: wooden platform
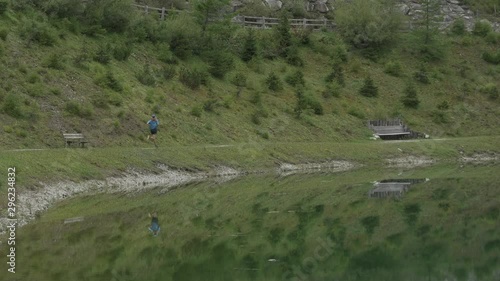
392,129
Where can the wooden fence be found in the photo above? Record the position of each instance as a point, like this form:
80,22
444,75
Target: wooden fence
265,22
248,21
162,12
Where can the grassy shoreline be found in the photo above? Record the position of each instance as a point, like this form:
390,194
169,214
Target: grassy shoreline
54,165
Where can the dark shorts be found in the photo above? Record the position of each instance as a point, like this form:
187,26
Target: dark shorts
154,131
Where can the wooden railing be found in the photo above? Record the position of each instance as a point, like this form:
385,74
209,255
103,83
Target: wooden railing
162,12
249,21
265,22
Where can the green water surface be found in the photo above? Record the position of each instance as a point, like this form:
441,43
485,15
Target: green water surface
298,227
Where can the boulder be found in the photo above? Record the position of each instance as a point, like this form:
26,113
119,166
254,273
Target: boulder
274,4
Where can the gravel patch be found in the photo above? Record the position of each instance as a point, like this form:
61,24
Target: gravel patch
480,158
29,202
410,162
286,169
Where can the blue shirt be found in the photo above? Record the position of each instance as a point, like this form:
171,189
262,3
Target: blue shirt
153,124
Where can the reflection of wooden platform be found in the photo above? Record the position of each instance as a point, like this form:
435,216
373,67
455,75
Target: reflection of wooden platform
392,188
72,220
395,189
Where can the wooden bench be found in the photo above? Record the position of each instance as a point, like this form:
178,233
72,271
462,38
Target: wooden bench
74,138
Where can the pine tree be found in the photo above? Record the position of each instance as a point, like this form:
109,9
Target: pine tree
284,36
369,89
410,99
431,12
250,47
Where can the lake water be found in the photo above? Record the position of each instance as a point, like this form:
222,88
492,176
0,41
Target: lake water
437,223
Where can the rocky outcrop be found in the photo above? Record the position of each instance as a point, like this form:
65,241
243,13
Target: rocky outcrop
317,6
450,11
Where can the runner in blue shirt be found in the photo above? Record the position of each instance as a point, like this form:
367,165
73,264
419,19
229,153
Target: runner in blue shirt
153,128
155,225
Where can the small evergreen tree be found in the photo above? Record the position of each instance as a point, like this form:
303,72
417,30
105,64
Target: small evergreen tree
369,89
410,99
337,74
274,83
250,47
284,35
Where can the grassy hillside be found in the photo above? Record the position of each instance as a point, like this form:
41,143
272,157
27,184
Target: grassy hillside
104,76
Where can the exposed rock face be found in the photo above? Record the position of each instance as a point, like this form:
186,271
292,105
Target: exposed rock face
274,4
450,11
317,6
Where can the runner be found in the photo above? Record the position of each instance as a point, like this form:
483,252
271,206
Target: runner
153,128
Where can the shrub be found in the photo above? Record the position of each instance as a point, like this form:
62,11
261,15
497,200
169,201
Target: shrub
482,28
112,83
296,79
146,76
370,223
439,117
410,99
273,82
356,113
3,33
165,54
307,102
144,28
168,72
82,56
219,63
422,76
122,51
103,54
458,27
491,57
193,78
210,105
263,134
337,75
393,68
256,98
293,57
55,61
75,109
180,45
4,4
21,133
116,15
55,91
367,24
444,105
492,38
332,90
196,111
411,212
256,118
239,80
491,90
369,89
33,78
12,106
38,32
